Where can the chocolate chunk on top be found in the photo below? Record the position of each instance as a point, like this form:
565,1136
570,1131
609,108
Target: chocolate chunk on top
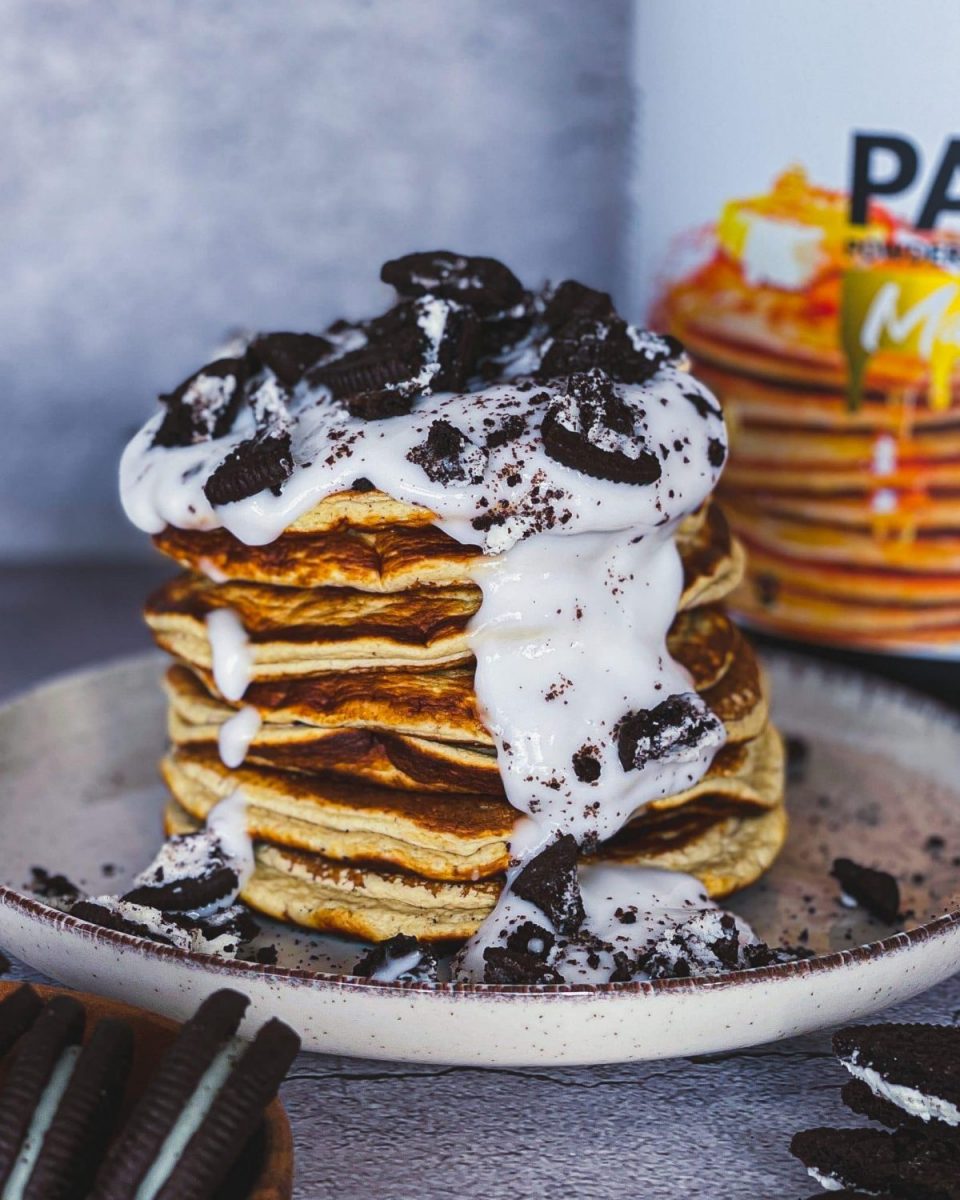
585,341
877,891
483,283
550,882
203,406
449,456
680,723
571,300
591,428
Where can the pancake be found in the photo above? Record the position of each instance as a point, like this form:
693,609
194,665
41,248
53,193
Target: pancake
725,849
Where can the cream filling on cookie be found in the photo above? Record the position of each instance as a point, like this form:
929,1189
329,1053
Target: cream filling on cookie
829,1183
41,1121
911,1100
190,1119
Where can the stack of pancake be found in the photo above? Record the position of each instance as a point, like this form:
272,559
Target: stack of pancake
372,785
848,504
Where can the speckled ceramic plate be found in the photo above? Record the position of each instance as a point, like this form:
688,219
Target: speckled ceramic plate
79,794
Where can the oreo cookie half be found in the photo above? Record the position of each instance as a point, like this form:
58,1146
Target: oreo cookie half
915,1067
85,1117
161,1105
18,1011
550,881
877,891
289,355
679,724
259,463
191,872
591,429
58,1026
909,1164
203,406
233,1116
859,1099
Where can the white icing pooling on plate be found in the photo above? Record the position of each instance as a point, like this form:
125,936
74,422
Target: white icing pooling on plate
580,575
230,653
190,1119
40,1122
392,968
911,1100
236,734
627,911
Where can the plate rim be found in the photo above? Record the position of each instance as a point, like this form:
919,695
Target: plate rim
900,942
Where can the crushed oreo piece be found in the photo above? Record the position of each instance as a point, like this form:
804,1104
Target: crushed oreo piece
401,958
759,954
289,355
363,485
191,872
716,452
571,300
679,724
877,891
52,887
448,456
708,943
510,428
483,283
550,882
593,430
584,342
261,462
702,403
586,764
798,758
503,965
204,406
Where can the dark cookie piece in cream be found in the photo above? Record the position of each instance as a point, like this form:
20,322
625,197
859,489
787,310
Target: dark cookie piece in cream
877,891
448,456
524,958
593,430
550,882
205,405
681,722
261,462
289,355
484,283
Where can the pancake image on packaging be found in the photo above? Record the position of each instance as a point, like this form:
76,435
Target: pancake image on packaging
410,569
844,475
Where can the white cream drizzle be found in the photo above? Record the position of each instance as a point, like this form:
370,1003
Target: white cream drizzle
578,606
236,734
230,653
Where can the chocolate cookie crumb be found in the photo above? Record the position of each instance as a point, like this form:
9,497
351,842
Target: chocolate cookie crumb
877,891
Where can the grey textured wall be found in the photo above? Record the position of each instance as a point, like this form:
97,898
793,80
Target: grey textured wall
172,170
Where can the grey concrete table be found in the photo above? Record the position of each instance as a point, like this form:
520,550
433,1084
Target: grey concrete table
713,1127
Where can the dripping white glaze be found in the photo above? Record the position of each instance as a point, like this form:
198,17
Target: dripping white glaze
580,579
236,734
230,653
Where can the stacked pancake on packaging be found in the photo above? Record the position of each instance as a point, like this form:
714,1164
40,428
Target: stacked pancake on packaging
441,566
829,347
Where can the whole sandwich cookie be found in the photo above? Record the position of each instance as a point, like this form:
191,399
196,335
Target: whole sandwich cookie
200,1108
908,1164
915,1068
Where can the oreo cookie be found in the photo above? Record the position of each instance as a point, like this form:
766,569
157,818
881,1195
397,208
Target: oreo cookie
915,1067
259,463
160,1106
289,355
18,1011
233,1116
909,1164
401,958
192,871
56,1028
679,724
858,1097
205,405
586,341
592,429
85,1117
449,456
550,881
572,301
876,891
707,943
483,283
